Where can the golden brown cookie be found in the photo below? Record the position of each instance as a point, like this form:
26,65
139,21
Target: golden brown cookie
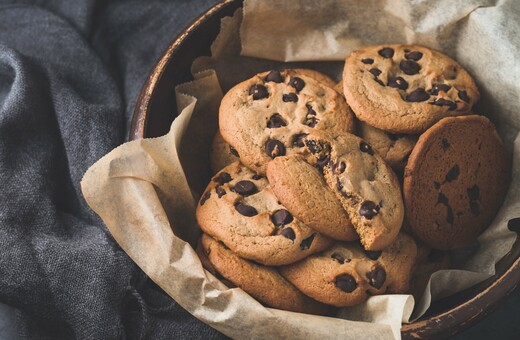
239,208
394,148
406,88
345,274
455,181
366,186
265,117
263,283
301,188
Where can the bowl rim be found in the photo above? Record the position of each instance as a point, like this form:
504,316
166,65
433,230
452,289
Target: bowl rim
449,322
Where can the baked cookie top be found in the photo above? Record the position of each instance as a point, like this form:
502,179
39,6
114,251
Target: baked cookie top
263,283
302,189
366,186
265,117
345,274
239,208
394,148
406,88
455,181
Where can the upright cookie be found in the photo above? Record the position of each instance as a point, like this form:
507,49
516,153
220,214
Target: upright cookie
406,88
263,283
266,116
455,181
394,148
302,189
345,274
240,209
366,186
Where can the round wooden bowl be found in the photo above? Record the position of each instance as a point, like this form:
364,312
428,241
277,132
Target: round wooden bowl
155,111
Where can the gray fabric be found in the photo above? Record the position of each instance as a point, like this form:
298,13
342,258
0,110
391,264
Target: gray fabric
70,73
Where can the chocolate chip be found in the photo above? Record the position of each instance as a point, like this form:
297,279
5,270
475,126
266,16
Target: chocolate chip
398,82
340,258
417,95
297,83
474,207
445,144
316,147
310,110
375,72
233,151
274,76
311,121
373,254
444,102
245,188
346,283
377,277
368,209
276,121
205,197
514,224
364,147
256,177
222,178
339,169
288,233
367,61
281,217
245,209
220,191
452,174
340,188
386,52
436,88
258,92
474,193
298,139
274,148
441,198
409,67
306,244
290,97
379,81
322,162
437,185
415,55
435,255
464,96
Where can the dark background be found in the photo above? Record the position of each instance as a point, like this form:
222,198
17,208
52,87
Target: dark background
70,73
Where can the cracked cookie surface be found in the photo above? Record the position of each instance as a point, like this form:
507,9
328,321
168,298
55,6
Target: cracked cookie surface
455,181
406,88
266,116
239,208
365,185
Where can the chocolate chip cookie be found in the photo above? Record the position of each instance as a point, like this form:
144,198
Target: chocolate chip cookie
366,186
239,208
406,88
263,283
266,116
345,274
302,189
455,181
394,148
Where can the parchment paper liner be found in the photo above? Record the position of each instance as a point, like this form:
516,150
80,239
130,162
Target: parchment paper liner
145,189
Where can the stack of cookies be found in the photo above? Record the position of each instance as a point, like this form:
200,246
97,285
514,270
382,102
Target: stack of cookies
314,180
